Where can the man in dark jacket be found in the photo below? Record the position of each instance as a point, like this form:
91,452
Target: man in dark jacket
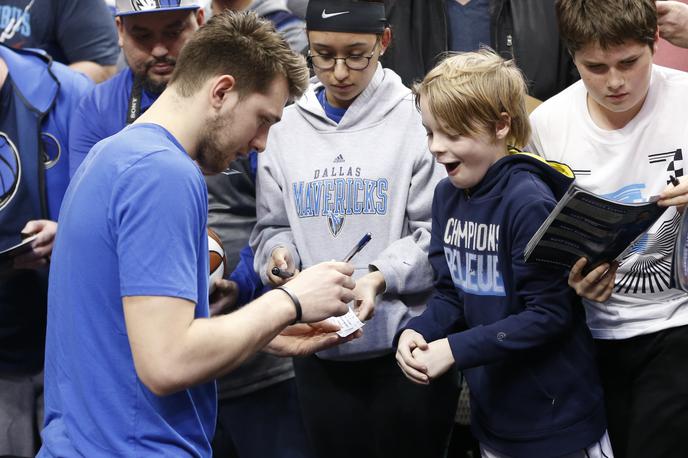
525,30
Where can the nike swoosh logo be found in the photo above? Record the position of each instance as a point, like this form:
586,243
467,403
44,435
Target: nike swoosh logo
326,15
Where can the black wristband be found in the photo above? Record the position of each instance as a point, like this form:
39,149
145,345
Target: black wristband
295,300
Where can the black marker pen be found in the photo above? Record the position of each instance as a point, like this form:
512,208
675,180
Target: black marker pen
674,180
281,273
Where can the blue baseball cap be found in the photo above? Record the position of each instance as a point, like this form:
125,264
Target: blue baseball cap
129,7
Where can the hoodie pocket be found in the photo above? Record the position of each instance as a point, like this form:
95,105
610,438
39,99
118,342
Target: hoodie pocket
511,401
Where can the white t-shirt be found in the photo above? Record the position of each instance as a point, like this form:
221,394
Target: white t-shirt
628,165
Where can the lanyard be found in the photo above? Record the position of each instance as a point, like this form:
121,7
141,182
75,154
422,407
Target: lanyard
134,110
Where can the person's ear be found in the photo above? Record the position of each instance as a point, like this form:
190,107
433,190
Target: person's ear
503,126
120,30
200,16
386,40
653,48
221,87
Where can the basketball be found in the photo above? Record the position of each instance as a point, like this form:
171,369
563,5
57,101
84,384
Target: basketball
216,255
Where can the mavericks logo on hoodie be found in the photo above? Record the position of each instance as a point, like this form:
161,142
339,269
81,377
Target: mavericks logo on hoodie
340,196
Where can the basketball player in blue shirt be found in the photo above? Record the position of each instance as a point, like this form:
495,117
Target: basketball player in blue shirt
131,352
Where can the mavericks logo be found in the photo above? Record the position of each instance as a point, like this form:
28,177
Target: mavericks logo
51,149
10,170
335,221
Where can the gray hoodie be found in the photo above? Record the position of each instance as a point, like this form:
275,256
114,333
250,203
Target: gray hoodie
322,186
293,29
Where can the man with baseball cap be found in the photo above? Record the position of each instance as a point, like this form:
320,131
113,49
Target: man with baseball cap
151,35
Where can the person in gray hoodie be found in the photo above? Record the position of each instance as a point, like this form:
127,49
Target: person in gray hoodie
349,158
290,25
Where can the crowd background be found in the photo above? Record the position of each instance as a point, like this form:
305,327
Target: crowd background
259,398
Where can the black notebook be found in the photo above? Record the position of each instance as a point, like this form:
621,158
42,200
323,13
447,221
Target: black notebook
7,255
586,225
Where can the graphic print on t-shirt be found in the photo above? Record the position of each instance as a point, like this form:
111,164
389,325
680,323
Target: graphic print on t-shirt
10,170
675,160
15,20
646,265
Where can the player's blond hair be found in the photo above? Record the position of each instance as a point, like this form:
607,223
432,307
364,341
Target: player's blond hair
468,92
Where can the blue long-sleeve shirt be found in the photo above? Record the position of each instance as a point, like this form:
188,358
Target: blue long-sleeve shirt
516,329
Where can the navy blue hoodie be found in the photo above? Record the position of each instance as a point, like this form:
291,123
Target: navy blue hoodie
516,330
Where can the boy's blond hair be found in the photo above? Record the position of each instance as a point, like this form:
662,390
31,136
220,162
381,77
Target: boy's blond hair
468,92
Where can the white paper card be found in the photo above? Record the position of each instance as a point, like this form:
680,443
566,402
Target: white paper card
348,323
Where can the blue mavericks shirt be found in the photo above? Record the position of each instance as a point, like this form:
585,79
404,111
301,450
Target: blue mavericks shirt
133,223
334,113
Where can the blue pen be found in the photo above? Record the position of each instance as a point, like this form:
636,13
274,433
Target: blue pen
359,246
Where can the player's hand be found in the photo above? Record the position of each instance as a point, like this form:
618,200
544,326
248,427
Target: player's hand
305,339
437,358
413,369
280,258
224,296
41,247
324,290
597,285
367,289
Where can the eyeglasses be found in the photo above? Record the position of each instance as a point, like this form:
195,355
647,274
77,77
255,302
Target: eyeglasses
327,62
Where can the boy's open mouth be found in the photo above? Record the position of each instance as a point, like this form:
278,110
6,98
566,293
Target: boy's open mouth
451,166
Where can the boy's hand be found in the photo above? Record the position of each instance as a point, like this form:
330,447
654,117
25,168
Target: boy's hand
366,291
413,369
597,285
437,358
675,195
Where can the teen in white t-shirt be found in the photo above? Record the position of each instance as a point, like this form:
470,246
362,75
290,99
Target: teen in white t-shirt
629,164
623,129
